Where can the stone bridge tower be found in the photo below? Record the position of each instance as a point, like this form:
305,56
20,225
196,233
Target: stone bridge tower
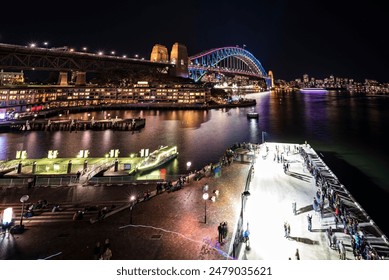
179,57
159,54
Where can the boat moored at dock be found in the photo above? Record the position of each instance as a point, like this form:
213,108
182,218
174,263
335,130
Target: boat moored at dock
157,158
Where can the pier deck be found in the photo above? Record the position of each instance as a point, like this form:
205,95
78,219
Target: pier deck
270,205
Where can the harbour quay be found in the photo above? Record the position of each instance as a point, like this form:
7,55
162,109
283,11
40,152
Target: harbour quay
63,124
291,183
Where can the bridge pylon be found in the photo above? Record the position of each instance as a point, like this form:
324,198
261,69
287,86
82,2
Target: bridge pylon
159,54
80,78
63,78
179,57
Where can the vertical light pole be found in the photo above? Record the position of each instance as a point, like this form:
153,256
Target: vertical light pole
132,199
23,199
205,197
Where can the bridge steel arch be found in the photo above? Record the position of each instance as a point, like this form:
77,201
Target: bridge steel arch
200,63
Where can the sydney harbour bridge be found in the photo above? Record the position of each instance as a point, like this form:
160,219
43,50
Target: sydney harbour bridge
231,60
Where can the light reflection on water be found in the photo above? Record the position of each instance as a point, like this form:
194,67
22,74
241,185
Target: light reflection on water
351,126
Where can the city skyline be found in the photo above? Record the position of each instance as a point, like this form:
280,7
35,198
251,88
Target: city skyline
289,39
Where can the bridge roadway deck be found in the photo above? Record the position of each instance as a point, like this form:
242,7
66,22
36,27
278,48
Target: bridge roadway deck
171,225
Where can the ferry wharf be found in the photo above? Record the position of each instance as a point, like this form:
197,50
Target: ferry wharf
62,124
254,192
291,182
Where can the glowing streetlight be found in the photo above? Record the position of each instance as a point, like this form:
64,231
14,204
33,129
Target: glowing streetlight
23,199
132,200
188,164
205,197
84,49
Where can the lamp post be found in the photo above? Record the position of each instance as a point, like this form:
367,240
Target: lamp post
205,197
188,164
263,136
132,199
23,199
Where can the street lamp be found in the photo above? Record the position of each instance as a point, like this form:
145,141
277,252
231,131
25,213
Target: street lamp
263,136
205,197
188,164
132,199
23,199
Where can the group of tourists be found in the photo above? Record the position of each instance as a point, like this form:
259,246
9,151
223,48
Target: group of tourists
222,232
326,191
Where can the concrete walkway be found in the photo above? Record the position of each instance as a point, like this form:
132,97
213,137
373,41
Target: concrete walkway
270,205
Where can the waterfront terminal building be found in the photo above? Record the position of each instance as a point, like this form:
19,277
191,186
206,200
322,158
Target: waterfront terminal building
44,97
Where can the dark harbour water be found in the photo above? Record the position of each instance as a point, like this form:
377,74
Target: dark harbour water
347,130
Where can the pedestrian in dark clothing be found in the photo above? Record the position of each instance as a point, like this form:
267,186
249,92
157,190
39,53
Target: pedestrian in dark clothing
107,244
288,231
78,175
97,251
220,231
294,207
309,217
297,254
225,229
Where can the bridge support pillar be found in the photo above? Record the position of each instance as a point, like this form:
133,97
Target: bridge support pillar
179,56
81,78
63,79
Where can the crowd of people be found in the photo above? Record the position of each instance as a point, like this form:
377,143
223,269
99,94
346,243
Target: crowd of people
343,216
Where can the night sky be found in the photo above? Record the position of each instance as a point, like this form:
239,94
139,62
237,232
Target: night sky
291,38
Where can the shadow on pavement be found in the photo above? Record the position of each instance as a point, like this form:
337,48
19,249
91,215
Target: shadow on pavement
305,209
304,240
300,176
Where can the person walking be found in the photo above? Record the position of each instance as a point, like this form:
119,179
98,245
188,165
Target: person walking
220,231
97,251
342,251
294,207
107,252
297,254
107,255
288,231
225,230
309,217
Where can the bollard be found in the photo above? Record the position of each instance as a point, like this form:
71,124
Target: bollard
34,167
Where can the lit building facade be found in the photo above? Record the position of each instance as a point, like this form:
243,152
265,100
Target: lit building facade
11,78
36,98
